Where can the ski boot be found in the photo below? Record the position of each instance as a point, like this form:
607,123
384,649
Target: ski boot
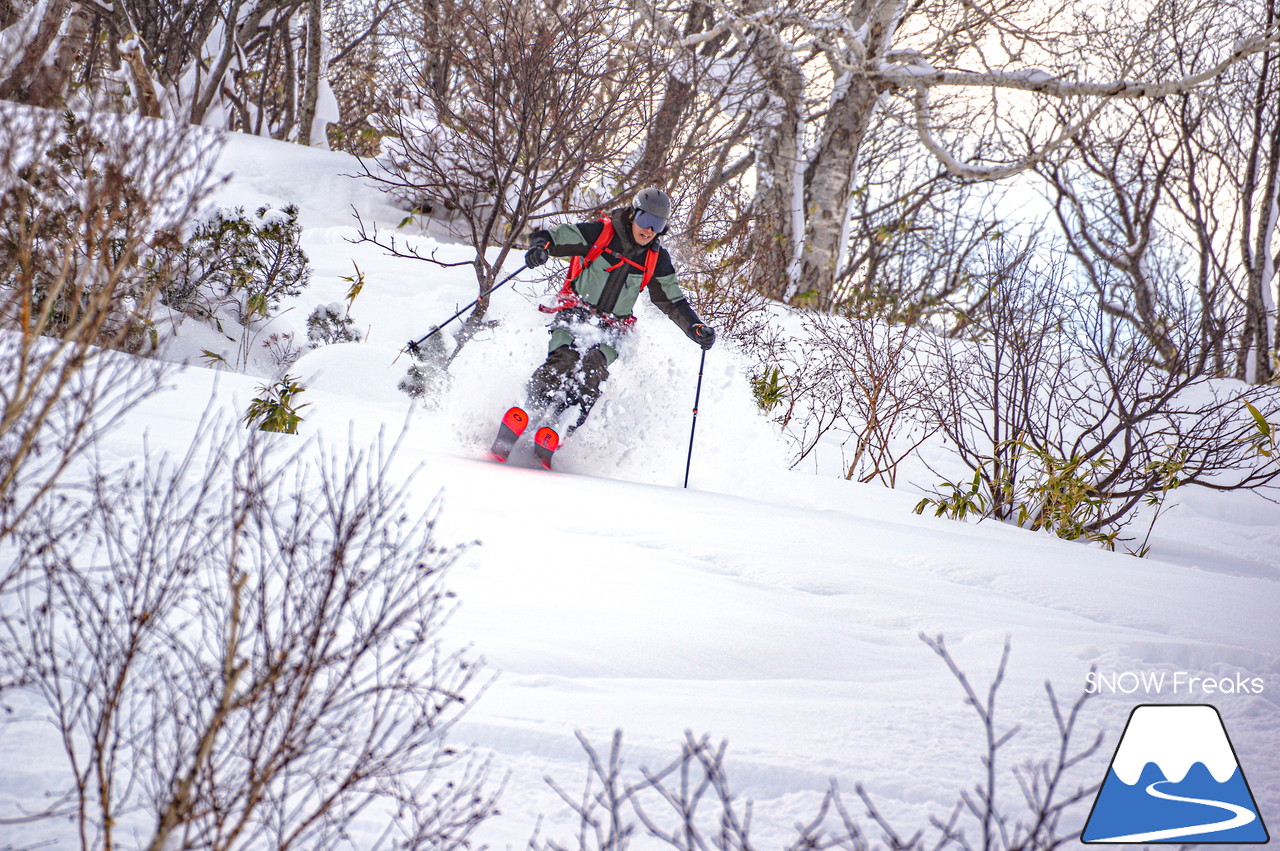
514,422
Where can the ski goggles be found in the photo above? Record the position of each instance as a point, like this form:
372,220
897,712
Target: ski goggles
645,219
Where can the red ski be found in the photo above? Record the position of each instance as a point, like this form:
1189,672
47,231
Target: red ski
514,422
545,443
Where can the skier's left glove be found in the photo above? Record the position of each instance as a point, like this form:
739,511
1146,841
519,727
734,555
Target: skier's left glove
703,335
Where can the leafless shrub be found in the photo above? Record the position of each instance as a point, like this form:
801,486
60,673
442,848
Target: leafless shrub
1070,423
876,370
746,318
261,674
839,377
690,804
83,203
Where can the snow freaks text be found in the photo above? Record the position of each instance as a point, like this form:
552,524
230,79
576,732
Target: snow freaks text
1170,682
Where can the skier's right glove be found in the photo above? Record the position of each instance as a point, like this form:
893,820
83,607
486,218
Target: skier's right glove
536,255
703,335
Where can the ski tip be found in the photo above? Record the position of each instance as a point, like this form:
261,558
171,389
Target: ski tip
545,443
547,438
496,457
516,419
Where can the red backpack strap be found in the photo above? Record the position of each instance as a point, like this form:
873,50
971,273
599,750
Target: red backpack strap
650,266
567,297
577,264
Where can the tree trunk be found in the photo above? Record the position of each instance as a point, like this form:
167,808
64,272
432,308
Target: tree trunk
144,85
308,133
829,174
52,78
655,165
437,65
1254,357
26,75
210,79
828,182
776,208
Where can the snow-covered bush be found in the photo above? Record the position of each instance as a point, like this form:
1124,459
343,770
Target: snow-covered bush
330,323
427,378
74,222
237,263
82,200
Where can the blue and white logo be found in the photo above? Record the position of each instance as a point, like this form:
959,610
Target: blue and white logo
1175,778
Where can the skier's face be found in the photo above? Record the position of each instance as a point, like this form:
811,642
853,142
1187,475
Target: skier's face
642,236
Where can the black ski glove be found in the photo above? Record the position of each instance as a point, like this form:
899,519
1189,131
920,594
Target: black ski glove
537,254
703,335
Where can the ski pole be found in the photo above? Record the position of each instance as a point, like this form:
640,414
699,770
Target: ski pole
413,344
696,398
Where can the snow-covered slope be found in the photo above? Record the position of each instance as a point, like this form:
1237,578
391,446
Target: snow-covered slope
779,610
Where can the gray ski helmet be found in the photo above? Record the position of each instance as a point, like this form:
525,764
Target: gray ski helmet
652,209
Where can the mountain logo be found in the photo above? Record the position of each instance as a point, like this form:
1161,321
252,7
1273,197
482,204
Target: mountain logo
1175,778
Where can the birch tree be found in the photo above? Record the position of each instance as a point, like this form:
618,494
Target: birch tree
255,66
1259,204
971,80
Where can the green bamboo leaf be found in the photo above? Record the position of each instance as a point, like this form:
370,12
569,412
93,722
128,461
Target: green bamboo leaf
1263,426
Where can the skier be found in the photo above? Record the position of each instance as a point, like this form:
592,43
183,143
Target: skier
612,260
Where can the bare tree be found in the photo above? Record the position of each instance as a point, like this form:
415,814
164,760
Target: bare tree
1113,227
1229,197
490,153
363,37
1169,198
47,39
969,80
261,674
255,66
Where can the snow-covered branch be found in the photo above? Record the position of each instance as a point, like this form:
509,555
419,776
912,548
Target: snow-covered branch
921,75
993,172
